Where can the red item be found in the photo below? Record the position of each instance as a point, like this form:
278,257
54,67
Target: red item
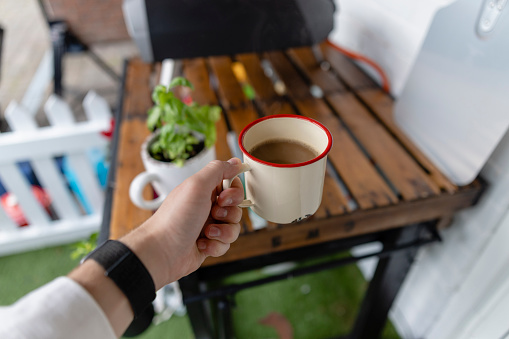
385,80
11,206
109,133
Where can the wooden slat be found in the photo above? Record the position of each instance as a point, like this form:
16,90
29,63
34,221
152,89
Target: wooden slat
366,185
137,90
195,70
383,107
347,225
275,107
262,85
125,215
352,75
306,61
404,173
295,85
230,91
241,117
321,213
335,202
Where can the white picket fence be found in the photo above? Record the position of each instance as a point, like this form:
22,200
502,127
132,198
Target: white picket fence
67,220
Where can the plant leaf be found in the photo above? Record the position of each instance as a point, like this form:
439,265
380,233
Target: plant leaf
180,81
157,93
153,120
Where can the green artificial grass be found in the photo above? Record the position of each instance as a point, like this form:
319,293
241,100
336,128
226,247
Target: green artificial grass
22,273
319,305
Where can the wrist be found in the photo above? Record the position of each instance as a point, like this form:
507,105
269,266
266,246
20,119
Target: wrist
152,252
126,270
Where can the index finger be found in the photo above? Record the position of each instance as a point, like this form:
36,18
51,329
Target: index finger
212,175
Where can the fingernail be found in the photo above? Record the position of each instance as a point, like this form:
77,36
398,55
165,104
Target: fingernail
221,212
202,245
228,202
214,232
233,161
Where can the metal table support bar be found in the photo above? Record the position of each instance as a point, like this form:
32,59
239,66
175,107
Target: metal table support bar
423,239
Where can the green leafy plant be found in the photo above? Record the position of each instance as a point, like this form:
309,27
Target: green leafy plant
184,129
82,248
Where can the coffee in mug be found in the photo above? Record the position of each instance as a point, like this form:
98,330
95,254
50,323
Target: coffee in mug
283,151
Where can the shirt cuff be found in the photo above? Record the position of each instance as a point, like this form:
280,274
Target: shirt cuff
59,309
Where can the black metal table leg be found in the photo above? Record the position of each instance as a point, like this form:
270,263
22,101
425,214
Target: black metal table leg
199,314
57,31
224,319
389,276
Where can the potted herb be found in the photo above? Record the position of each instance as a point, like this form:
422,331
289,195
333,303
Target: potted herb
185,130
181,143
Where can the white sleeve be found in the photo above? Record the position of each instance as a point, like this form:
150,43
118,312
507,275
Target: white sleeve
59,309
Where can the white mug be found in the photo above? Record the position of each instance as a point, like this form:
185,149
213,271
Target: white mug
164,176
284,193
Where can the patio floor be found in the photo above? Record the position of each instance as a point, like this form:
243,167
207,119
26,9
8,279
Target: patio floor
26,39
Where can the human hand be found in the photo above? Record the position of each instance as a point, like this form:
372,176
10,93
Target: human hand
196,220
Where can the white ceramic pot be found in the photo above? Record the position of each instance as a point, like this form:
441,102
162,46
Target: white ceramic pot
164,176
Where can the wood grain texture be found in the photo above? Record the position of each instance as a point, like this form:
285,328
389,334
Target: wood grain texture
360,176
262,85
349,73
382,106
195,70
125,215
397,165
307,63
229,89
347,225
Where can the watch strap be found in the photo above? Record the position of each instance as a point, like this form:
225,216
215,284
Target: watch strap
127,272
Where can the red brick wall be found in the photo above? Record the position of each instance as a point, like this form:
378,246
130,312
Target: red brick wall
90,20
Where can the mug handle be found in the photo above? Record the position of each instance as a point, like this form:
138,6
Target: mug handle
228,182
136,191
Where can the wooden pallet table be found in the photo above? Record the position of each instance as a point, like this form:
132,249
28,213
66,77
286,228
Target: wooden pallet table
378,185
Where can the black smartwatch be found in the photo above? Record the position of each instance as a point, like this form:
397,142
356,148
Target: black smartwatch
127,272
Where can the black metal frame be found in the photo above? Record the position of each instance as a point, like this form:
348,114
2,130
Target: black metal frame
399,249
104,232
1,44
63,41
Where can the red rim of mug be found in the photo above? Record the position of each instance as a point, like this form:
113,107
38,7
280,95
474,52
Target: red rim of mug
300,164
